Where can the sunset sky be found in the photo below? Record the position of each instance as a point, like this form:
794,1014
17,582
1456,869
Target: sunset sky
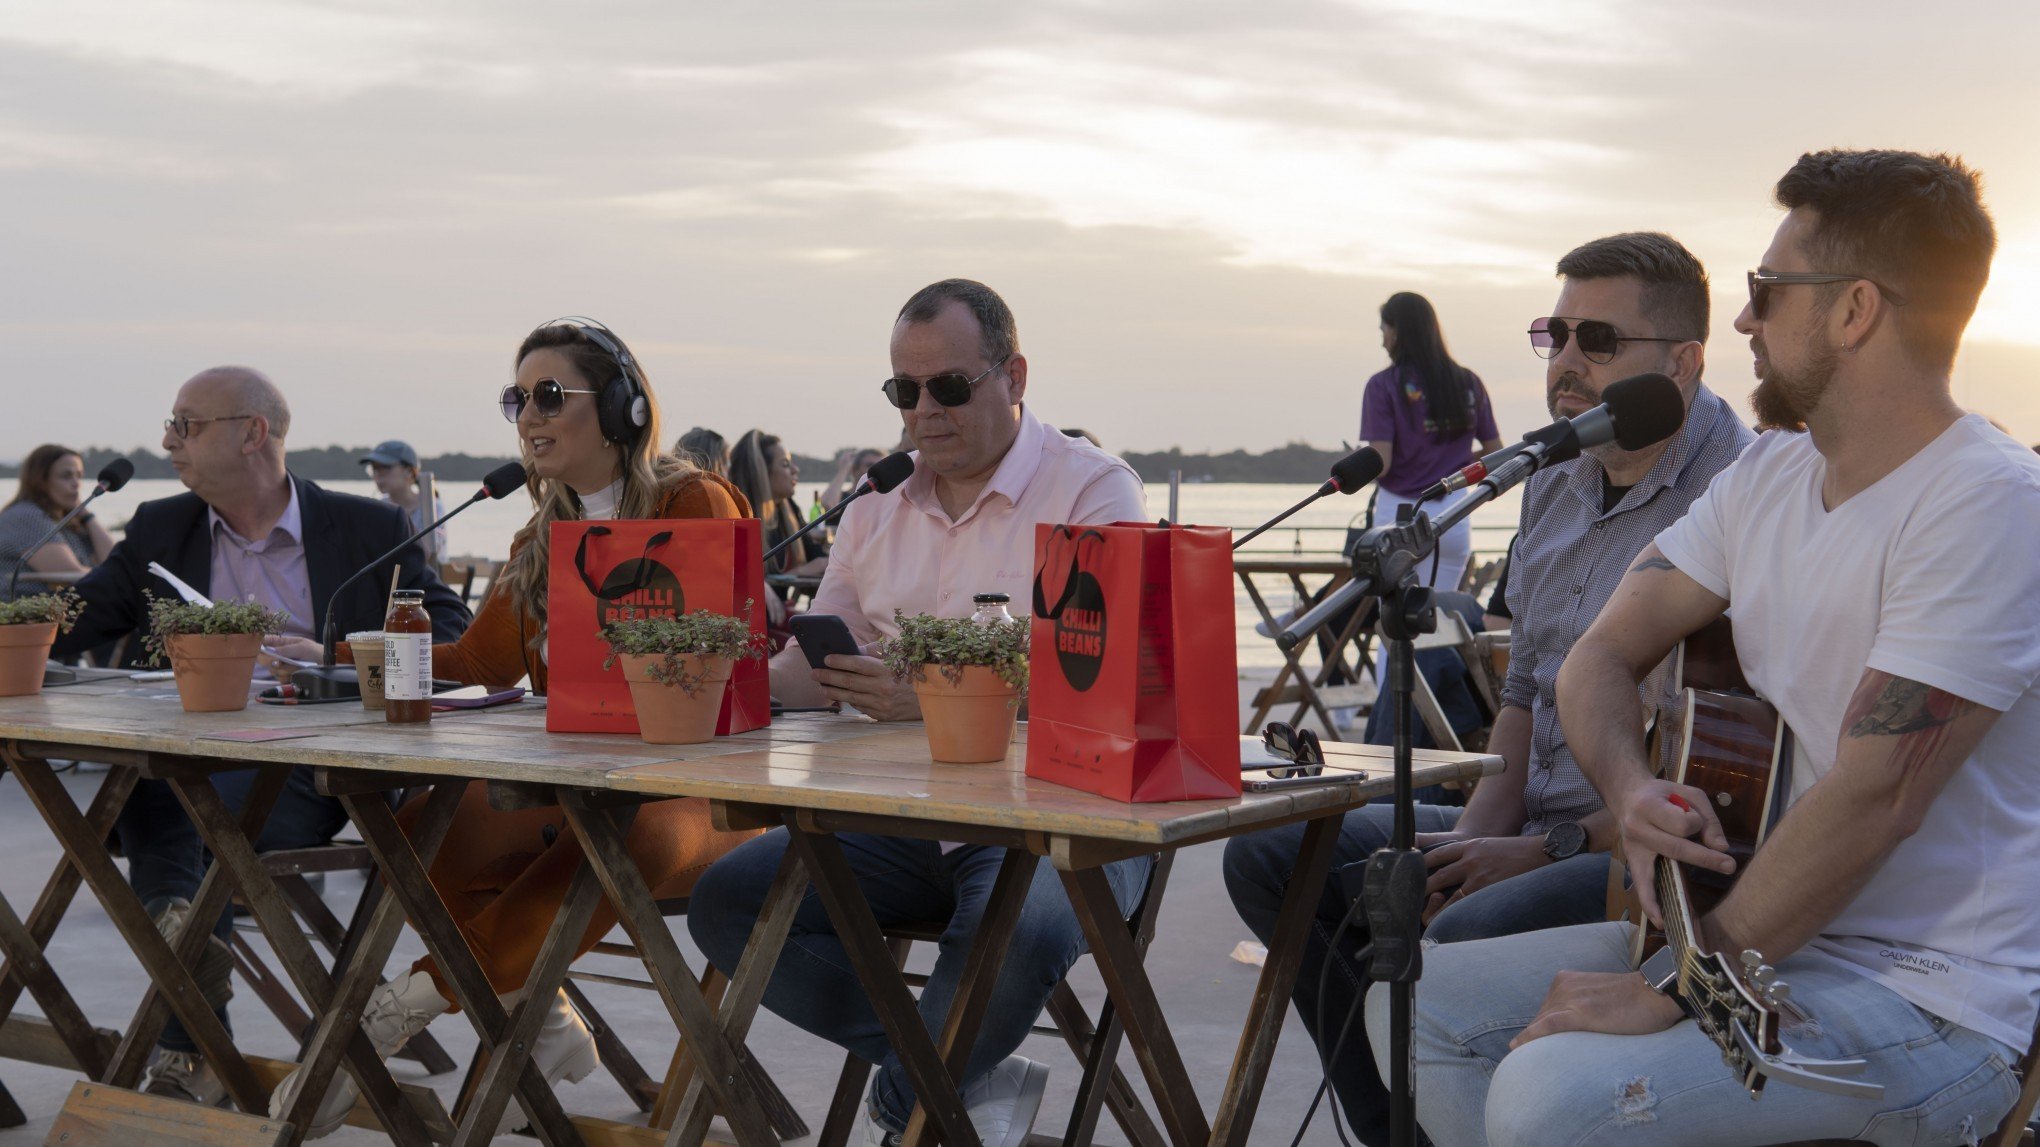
1194,208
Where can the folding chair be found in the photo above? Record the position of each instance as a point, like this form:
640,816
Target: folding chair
1095,1043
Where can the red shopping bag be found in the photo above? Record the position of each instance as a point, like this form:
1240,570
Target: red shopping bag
605,571
1133,681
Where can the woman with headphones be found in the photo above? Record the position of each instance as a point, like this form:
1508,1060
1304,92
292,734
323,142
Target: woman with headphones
589,433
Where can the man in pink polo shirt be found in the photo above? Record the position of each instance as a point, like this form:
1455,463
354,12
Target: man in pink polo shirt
987,471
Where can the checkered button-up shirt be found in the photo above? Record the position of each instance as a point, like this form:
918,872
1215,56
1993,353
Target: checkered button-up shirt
1569,556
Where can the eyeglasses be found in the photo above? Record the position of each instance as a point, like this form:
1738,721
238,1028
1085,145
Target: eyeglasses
547,393
181,424
1761,283
1598,340
949,389
1299,745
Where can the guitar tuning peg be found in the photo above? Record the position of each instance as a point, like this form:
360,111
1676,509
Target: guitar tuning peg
1778,994
1751,958
1764,976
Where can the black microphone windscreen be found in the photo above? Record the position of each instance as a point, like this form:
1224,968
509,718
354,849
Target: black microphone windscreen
890,471
116,473
503,479
1647,409
1357,469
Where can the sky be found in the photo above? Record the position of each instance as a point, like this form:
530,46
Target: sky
1195,209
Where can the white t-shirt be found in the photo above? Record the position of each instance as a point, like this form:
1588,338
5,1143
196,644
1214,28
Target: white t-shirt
1932,574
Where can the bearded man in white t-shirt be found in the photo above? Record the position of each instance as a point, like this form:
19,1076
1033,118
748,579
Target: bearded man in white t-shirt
1882,572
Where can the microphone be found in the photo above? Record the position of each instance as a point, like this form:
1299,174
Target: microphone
326,680
1634,413
1348,475
884,474
112,476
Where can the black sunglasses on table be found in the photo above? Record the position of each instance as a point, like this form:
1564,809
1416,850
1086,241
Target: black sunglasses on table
1298,745
1761,283
550,396
1599,341
951,389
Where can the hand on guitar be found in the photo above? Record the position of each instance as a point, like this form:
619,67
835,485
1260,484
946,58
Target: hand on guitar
1660,818
1612,1003
1462,865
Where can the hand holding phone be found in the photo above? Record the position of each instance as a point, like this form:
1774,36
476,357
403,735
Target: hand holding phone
821,634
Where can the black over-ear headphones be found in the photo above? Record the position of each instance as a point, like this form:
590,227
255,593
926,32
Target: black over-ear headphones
622,409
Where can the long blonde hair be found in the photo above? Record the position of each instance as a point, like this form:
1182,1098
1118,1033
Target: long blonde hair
648,472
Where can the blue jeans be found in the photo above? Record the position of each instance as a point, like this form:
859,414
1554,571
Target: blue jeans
1257,870
1943,1084
166,858
905,881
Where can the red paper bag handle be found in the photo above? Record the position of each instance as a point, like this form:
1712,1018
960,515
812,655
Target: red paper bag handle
644,560
1041,607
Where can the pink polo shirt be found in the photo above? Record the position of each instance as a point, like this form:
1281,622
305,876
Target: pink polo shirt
901,551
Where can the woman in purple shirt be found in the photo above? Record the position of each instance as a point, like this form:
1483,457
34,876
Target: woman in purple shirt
1424,414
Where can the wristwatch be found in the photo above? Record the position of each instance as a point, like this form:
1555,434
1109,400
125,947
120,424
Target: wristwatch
1564,840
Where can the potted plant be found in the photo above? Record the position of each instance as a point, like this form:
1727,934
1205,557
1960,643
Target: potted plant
28,627
979,679
678,669
211,648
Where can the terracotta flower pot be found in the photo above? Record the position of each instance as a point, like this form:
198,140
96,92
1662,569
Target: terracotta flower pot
24,650
213,670
969,722
666,715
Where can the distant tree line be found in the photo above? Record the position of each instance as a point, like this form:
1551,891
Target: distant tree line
1296,462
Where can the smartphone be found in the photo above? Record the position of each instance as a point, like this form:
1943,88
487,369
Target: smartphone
475,697
821,634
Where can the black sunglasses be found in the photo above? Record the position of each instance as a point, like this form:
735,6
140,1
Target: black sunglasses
949,389
1598,340
550,396
1299,745
1761,283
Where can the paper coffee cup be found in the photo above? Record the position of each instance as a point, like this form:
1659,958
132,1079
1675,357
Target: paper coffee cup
368,663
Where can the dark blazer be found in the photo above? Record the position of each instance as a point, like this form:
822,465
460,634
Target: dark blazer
342,533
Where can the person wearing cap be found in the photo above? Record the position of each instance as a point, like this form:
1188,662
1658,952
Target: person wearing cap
393,467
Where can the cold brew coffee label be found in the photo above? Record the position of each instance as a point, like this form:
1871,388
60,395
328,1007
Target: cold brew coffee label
407,666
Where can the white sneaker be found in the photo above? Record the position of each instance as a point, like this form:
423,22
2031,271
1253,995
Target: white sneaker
395,1012
1002,1105
214,974
565,1050
184,1075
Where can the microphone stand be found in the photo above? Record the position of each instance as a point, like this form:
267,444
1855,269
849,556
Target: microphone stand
328,681
834,512
1385,564
1323,491
52,674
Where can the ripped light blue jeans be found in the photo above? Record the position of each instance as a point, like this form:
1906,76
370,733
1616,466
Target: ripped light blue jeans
1943,1084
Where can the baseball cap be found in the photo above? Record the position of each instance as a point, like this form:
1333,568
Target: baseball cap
392,453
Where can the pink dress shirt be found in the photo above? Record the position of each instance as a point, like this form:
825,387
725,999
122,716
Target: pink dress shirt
901,551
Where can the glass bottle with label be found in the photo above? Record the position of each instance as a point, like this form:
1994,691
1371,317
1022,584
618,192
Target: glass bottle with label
407,659
991,607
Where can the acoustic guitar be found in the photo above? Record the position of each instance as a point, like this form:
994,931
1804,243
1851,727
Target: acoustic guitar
1715,734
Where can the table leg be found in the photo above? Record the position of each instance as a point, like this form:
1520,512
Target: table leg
410,884
235,853
1278,977
980,970
603,842
1290,663
1133,999
865,945
168,968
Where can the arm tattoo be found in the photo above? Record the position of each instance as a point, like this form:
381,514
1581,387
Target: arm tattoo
1918,715
1652,564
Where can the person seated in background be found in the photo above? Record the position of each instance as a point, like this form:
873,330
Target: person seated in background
761,467
987,472
504,875
52,481
1086,435
393,467
247,529
850,467
1530,849
706,449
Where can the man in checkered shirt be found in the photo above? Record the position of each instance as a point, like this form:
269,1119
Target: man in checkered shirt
1531,848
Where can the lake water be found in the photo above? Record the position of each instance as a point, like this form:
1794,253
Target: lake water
485,530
